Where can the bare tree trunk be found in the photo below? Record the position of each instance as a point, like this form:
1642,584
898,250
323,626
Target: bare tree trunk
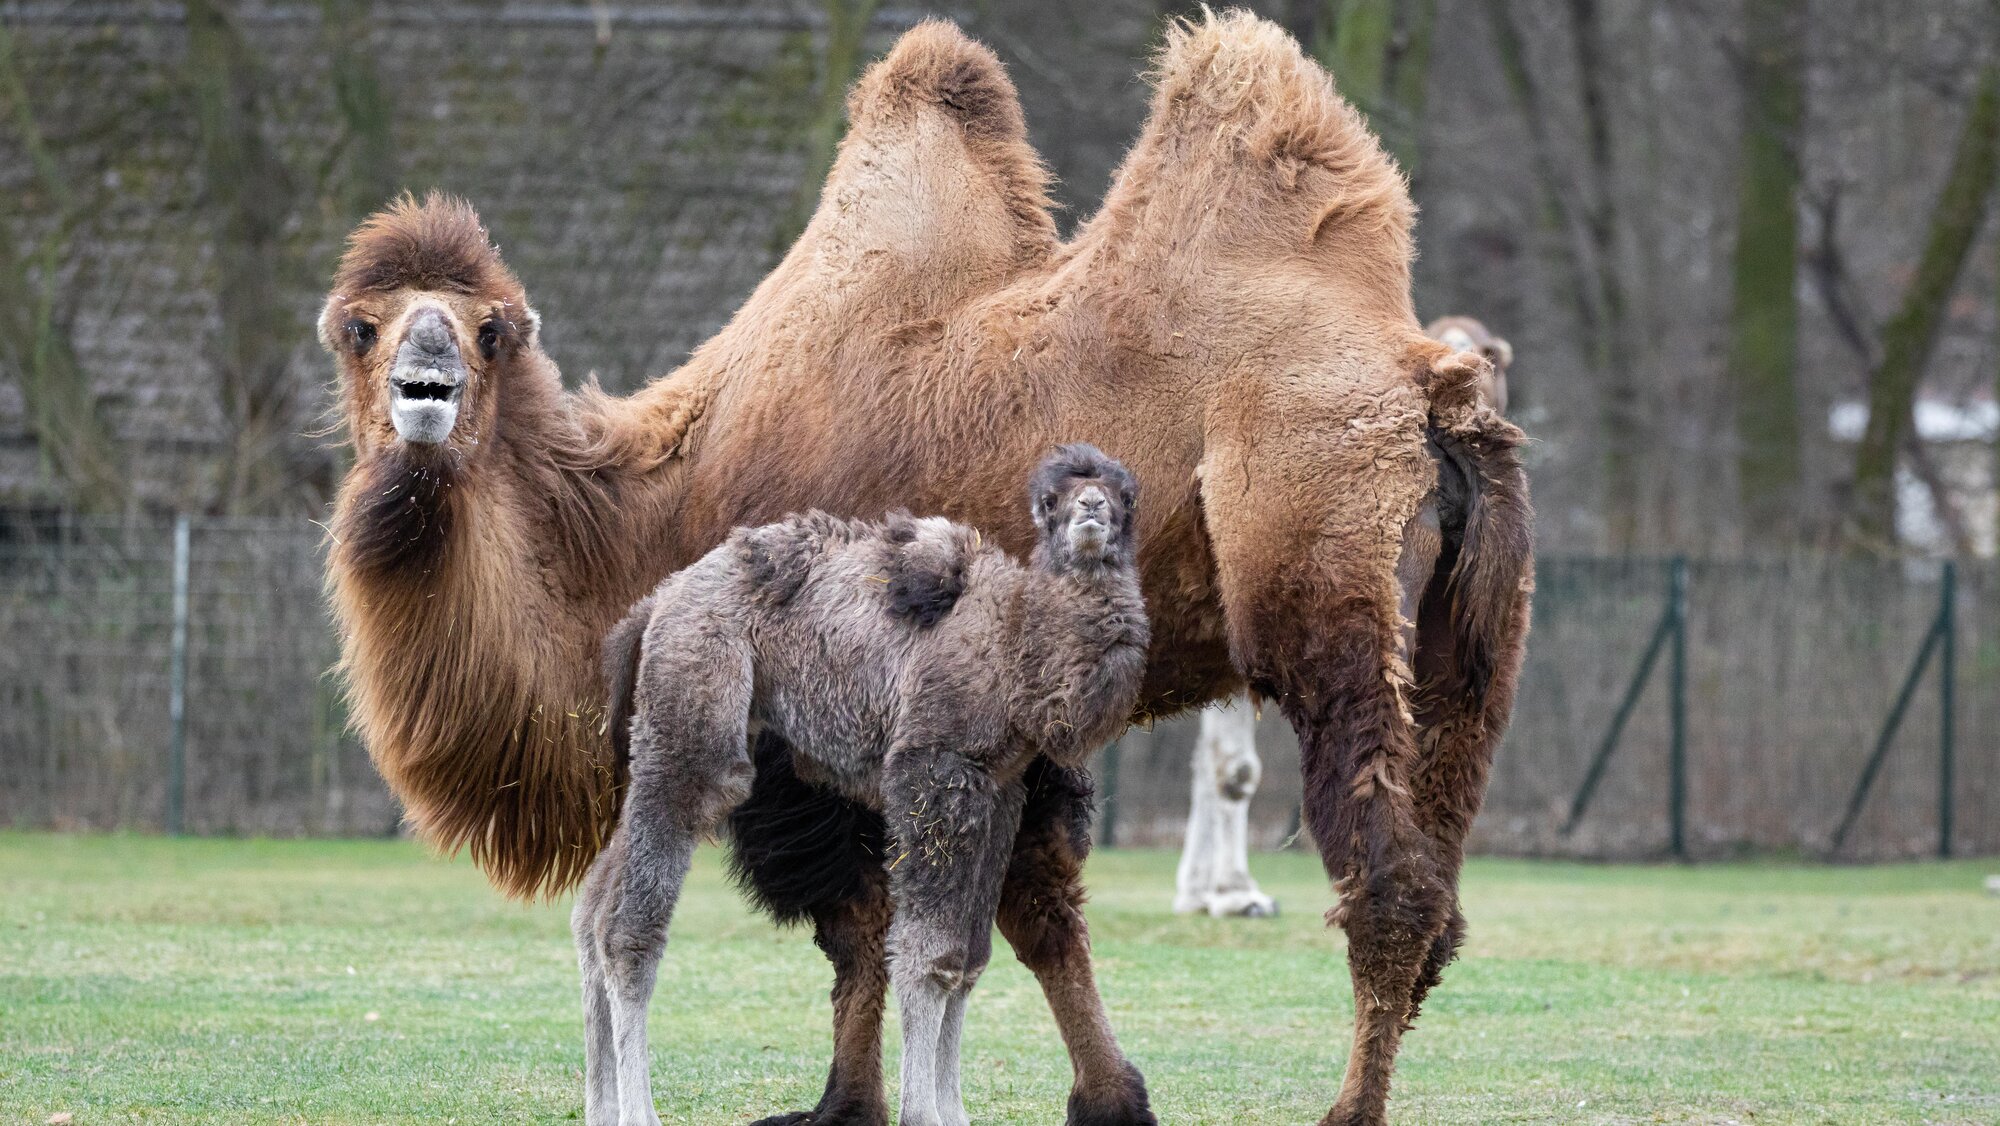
1764,314
365,107
249,193
75,444
1909,338
840,64
1583,210
1379,53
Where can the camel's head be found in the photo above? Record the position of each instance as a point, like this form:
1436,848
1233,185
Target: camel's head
1084,504
1468,335
423,322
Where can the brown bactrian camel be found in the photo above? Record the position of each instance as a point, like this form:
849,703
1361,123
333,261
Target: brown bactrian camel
1234,325
1214,874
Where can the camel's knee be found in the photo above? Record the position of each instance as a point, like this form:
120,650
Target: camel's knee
923,954
688,786
1393,915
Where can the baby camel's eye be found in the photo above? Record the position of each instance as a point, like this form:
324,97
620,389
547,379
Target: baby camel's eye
1049,502
489,338
361,335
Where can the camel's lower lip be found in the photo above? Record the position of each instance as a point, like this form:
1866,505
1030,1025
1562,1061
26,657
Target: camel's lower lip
423,410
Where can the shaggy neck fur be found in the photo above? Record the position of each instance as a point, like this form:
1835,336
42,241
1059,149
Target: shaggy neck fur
472,592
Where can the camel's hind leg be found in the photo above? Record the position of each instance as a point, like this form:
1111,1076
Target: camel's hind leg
1309,590
951,827
1041,916
600,1053
690,767
1214,876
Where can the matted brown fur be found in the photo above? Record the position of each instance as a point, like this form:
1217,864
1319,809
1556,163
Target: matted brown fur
1234,325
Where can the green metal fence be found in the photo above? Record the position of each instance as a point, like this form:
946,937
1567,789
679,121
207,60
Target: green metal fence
174,676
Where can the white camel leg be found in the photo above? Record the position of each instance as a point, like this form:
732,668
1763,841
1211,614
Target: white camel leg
1214,872
922,999
950,1098
630,927
600,1053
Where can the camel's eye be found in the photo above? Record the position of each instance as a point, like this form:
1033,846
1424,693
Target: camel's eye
1049,502
362,335
489,338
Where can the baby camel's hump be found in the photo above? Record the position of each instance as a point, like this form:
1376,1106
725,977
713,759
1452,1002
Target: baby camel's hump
833,612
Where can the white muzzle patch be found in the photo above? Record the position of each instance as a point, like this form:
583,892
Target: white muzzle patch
427,381
424,410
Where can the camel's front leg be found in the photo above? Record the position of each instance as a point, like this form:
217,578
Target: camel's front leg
1214,875
951,827
1041,915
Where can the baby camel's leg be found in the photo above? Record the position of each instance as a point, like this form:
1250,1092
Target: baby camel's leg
600,1055
952,826
690,767
632,933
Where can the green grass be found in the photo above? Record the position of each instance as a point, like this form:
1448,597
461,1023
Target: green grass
335,982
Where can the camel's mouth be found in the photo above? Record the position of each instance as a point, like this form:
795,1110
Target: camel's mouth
427,381
1089,534
423,406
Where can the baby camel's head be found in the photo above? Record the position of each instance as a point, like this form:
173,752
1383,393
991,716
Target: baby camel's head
1083,503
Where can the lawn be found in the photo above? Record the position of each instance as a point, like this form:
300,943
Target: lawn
363,981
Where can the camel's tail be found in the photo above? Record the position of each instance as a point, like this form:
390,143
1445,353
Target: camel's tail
1472,623
1490,579
621,675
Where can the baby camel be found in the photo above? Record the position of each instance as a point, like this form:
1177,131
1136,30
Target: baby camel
911,668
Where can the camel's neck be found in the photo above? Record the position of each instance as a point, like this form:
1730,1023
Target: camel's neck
472,596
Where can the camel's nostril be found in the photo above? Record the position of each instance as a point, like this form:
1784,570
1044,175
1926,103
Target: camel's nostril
429,333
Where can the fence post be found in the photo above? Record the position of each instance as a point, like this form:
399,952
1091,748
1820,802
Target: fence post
1947,701
177,685
1677,707
1941,633
1667,630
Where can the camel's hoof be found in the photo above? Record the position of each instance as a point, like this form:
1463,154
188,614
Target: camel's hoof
844,1115
1123,1104
1243,905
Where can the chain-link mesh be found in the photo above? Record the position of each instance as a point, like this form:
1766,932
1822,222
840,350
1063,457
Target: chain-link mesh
86,608
1791,668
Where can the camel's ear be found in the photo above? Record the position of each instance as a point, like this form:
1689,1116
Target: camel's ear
329,322
530,324
1450,378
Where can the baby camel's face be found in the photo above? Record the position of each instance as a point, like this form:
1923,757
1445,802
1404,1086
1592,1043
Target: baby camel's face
1087,518
1092,521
